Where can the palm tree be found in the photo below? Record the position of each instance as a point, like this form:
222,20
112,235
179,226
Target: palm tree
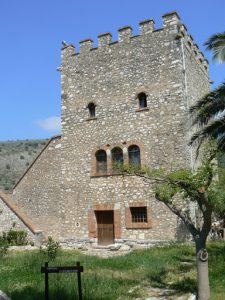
209,112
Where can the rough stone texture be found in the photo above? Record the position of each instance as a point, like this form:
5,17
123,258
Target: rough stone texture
10,220
167,66
160,63
38,191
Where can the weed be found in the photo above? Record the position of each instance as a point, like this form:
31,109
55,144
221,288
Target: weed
15,237
52,249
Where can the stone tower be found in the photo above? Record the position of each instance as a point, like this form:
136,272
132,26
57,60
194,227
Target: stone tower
122,101
131,92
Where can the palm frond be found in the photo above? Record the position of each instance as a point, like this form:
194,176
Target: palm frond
214,130
209,106
216,43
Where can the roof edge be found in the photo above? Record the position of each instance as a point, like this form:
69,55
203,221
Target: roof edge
21,215
36,158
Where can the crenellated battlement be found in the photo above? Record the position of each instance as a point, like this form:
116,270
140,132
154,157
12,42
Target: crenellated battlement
192,46
125,33
171,26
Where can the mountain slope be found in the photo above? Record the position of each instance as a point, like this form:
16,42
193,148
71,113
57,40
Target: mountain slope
15,157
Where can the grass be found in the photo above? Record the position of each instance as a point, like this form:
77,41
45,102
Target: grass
121,278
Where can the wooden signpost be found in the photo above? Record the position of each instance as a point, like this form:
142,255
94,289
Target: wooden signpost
75,269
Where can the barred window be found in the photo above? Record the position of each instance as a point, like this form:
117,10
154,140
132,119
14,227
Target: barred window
101,161
139,214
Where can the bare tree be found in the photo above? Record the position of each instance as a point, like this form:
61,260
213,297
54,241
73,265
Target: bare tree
177,189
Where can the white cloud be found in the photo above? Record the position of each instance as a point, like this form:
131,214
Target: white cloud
50,124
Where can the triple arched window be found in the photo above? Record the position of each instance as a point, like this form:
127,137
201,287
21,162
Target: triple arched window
104,164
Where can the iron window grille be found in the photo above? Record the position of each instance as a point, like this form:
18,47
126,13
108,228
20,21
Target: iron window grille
139,214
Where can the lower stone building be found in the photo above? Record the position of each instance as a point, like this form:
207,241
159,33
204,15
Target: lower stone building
126,102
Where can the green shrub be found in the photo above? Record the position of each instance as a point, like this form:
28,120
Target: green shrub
3,247
21,157
7,166
15,237
52,249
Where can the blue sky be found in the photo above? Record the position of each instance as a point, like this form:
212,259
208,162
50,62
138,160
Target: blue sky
31,35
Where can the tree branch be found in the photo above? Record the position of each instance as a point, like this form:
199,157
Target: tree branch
184,217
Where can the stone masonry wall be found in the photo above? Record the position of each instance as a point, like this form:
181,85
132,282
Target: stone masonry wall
9,220
38,191
111,76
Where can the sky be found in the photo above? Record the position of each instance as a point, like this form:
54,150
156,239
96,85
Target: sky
31,32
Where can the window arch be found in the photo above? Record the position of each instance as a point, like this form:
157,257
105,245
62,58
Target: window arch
134,155
101,161
117,155
142,98
91,108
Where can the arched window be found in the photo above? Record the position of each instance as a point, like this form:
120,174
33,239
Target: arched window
91,107
101,161
117,155
142,98
134,155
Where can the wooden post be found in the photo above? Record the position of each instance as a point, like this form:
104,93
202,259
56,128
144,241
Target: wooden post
72,269
46,281
79,281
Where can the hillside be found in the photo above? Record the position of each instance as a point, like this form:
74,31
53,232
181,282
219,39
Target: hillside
15,157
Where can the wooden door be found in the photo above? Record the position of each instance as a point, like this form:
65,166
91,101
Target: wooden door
105,227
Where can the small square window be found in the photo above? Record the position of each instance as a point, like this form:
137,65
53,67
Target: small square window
139,214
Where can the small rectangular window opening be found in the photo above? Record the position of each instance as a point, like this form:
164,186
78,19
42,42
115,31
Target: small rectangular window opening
139,214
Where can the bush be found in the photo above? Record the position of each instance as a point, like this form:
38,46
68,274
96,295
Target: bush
52,249
15,237
3,246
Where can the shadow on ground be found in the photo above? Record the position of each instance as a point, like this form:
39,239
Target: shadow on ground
30,293
182,285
